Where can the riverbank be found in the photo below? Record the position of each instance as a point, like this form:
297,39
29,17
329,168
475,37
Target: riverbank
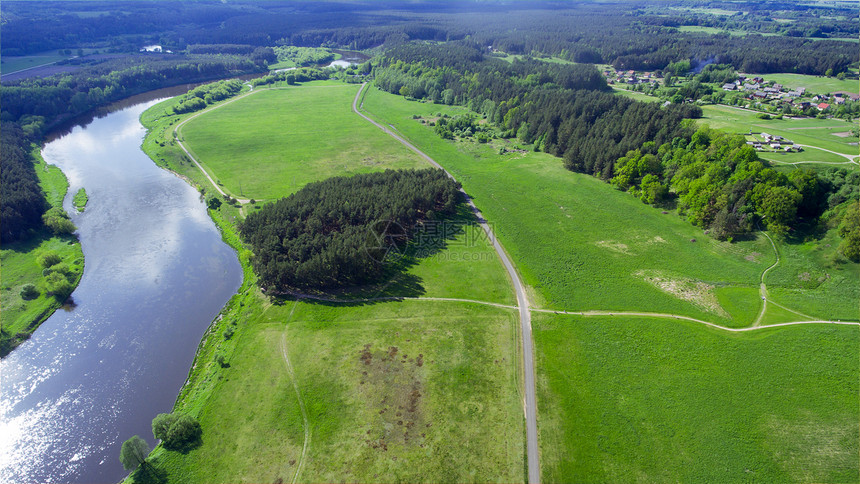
25,286
280,386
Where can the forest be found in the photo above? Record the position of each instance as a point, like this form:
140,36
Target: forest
22,200
443,51
566,110
32,107
337,232
722,186
629,37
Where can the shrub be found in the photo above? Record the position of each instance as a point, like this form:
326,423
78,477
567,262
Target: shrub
58,285
29,291
48,258
58,221
176,430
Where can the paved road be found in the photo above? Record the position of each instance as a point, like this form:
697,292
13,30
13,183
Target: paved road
522,302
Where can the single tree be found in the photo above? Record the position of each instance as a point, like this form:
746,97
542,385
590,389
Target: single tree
161,424
133,453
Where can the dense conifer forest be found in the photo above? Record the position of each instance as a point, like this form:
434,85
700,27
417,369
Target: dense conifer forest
566,110
337,232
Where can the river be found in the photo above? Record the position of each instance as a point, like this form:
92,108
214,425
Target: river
157,273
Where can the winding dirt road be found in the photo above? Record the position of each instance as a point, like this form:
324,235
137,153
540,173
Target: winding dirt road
522,302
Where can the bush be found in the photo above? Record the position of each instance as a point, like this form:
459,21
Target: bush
29,291
58,221
58,285
48,259
175,430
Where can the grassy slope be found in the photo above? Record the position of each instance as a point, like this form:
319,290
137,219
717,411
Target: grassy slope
814,84
273,142
821,135
12,64
465,425
468,350
624,400
593,239
20,265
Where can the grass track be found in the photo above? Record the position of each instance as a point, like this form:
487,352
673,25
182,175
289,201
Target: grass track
466,379
637,399
593,239
273,142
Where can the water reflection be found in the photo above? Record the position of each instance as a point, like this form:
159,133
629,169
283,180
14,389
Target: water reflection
156,274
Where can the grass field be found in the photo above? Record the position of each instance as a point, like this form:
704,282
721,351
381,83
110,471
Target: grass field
11,64
392,391
20,264
443,406
819,133
638,96
814,84
814,279
646,400
273,142
599,248
635,399
620,399
714,30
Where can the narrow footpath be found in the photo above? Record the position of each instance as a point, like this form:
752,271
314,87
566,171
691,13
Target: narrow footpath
522,303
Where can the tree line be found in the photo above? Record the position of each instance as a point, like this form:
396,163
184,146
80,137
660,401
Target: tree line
22,202
565,110
337,232
627,36
720,184
31,107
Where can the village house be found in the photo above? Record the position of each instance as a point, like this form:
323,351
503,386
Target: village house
823,106
728,86
847,95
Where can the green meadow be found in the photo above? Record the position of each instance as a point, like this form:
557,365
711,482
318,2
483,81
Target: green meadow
416,390
624,399
814,84
273,142
20,263
636,96
826,134
396,391
12,64
648,400
386,390
579,243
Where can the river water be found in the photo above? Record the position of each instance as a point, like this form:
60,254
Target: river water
156,275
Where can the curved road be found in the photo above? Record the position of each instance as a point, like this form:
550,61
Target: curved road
193,159
522,302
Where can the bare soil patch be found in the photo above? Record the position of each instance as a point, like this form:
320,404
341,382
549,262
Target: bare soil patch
393,385
698,293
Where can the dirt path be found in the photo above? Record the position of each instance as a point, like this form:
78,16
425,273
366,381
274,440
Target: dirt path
530,403
850,158
192,157
687,318
307,441
762,289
